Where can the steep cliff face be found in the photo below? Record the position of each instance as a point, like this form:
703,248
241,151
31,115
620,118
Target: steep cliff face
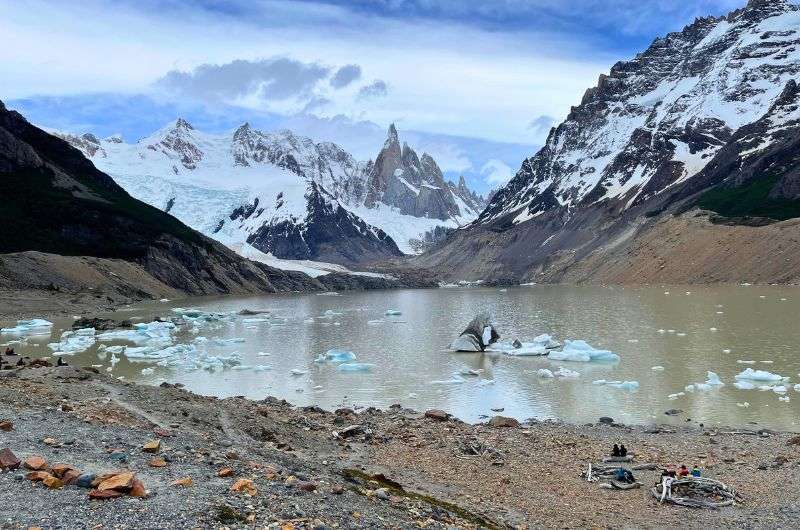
703,119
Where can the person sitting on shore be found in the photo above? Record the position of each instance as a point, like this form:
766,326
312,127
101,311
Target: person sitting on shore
696,471
683,471
623,451
615,451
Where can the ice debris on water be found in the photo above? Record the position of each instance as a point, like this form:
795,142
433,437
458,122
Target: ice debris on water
744,385
152,333
148,371
657,368
74,341
581,351
355,367
566,373
630,386
784,399
545,373
760,375
33,326
297,372
335,356
743,405
393,312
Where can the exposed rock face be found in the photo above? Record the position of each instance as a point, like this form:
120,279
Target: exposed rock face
328,233
704,117
415,185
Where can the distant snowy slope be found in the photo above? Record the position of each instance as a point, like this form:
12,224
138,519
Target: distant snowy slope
279,192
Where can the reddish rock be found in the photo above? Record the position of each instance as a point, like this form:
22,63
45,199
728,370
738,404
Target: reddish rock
37,476
120,482
35,463
438,415
185,482
8,460
337,489
70,476
107,494
137,490
59,470
6,426
245,486
52,482
307,486
225,472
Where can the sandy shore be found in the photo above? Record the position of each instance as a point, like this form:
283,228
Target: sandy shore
312,468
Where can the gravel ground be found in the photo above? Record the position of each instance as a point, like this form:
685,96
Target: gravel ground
347,469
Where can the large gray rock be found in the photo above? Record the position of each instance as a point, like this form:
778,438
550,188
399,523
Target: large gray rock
479,334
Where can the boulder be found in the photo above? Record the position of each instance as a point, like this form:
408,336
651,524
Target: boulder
6,426
35,463
106,494
436,414
37,476
478,335
606,420
59,470
8,460
120,482
503,421
52,482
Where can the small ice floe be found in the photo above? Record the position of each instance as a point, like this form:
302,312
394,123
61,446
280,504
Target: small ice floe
657,368
74,341
114,360
263,354
241,367
228,342
662,331
261,368
479,334
712,380
673,397
545,373
164,300
581,351
148,371
713,329
255,320
297,372
759,376
308,321
329,293
377,322
156,334
335,356
566,373
355,367
780,389
330,313
766,362
785,399
33,326
796,388
743,405
633,341
670,331
680,334
740,361
518,349
726,350
630,386
393,313
744,385
470,372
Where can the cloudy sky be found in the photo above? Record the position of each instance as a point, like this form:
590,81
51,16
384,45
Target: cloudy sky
476,84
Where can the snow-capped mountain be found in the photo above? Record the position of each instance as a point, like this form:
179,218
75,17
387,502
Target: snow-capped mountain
705,120
658,120
279,192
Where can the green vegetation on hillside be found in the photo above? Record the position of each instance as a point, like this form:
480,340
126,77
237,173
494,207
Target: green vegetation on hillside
750,200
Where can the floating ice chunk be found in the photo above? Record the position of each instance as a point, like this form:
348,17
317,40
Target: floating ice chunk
452,381
297,372
335,356
263,354
544,373
759,375
255,320
675,396
526,349
33,326
680,334
228,342
713,379
393,312
474,337
796,388
470,372
657,368
633,341
689,388
670,331
743,405
726,351
745,362
242,367
328,293
580,351
625,385
261,368
599,382
766,362
73,342
744,385
355,367
330,313
152,333
662,331
785,399
547,341
148,371
376,322
566,373
780,389
712,329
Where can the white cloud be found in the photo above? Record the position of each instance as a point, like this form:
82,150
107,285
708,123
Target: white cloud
496,172
445,77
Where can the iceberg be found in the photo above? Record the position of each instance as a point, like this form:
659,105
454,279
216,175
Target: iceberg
759,375
581,351
566,373
479,334
355,367
335,356
34,326
73,342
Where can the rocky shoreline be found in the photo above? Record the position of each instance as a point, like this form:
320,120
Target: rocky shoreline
310,468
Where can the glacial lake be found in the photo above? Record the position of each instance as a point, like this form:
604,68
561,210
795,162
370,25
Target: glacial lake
686,330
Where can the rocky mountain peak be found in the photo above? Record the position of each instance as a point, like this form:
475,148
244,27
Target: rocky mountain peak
392,137
181,123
